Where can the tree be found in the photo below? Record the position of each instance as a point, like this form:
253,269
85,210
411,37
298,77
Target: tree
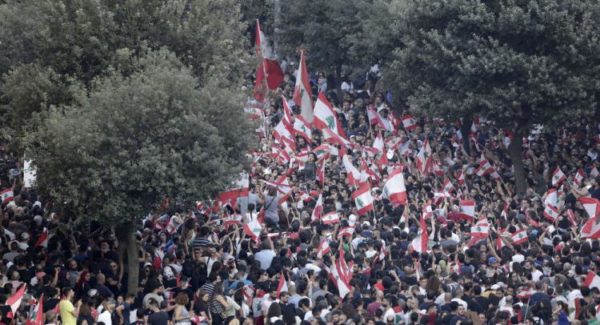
339,33
516,62
134,141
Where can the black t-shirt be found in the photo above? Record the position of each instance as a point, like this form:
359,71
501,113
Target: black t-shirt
159,318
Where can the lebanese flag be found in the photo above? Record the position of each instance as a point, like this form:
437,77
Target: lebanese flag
321,172
591,206
409,122
394,188
274,79
334,138
352,172
302,128
460,177
448,187
481,229
484,168
229,198
520,237
340,273
579,177
325,116
419,244
363,199
43,239
6,195
261,43
325,149
551,197
467,209
15,300
378,143
302,91
591,229
283,135
499,243
37,314
253,228
282,285
424,161
345,232
592,280
318,210
551,213
331,218
558,177
375,119
323,248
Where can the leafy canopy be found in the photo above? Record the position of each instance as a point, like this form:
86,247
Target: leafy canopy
516,61
134,140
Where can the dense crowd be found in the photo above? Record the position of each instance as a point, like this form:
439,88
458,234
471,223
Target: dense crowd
298,248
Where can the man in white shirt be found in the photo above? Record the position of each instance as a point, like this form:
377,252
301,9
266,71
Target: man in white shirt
105,316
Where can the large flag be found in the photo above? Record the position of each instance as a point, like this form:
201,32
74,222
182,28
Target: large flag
352,172
324,248
409,122
15,300
253,228
341,274
520,237
6,195
282,286
419,244
363,199
592,280
467,209
318,210
424,159
269,72
283,134
325,116
481,229
303,92
591,206
37,314
331,218
558,177
591,229
394,188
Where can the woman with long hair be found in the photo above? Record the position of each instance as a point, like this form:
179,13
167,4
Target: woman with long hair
181,315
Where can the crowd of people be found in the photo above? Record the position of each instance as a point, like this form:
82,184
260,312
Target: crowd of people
298,248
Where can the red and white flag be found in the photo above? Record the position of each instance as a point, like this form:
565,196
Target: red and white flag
37,313
323,248
253,228
424,159
551,213
345,232
42,241
467,209
419,244
481,229
592,280
269,71
283,135
15,300
571,217
318,210
363,200
331,218
341,274
378,143
394,188
448,186
325,116
6,195
282,286
591,229
409,122
579,177
520,237
334,138
591,206
558,177
302,91
352,173
551,197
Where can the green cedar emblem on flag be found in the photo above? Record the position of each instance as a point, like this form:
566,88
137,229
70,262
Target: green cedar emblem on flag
359,203
330,122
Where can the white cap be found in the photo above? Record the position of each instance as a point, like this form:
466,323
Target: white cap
352,219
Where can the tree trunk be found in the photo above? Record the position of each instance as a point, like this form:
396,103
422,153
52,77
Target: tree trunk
516,155
126,236
465,129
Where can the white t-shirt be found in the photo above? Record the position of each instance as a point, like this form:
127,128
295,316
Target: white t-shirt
265,257
105,318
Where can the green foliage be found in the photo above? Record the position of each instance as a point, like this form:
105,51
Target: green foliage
340,32
134,140
516,62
